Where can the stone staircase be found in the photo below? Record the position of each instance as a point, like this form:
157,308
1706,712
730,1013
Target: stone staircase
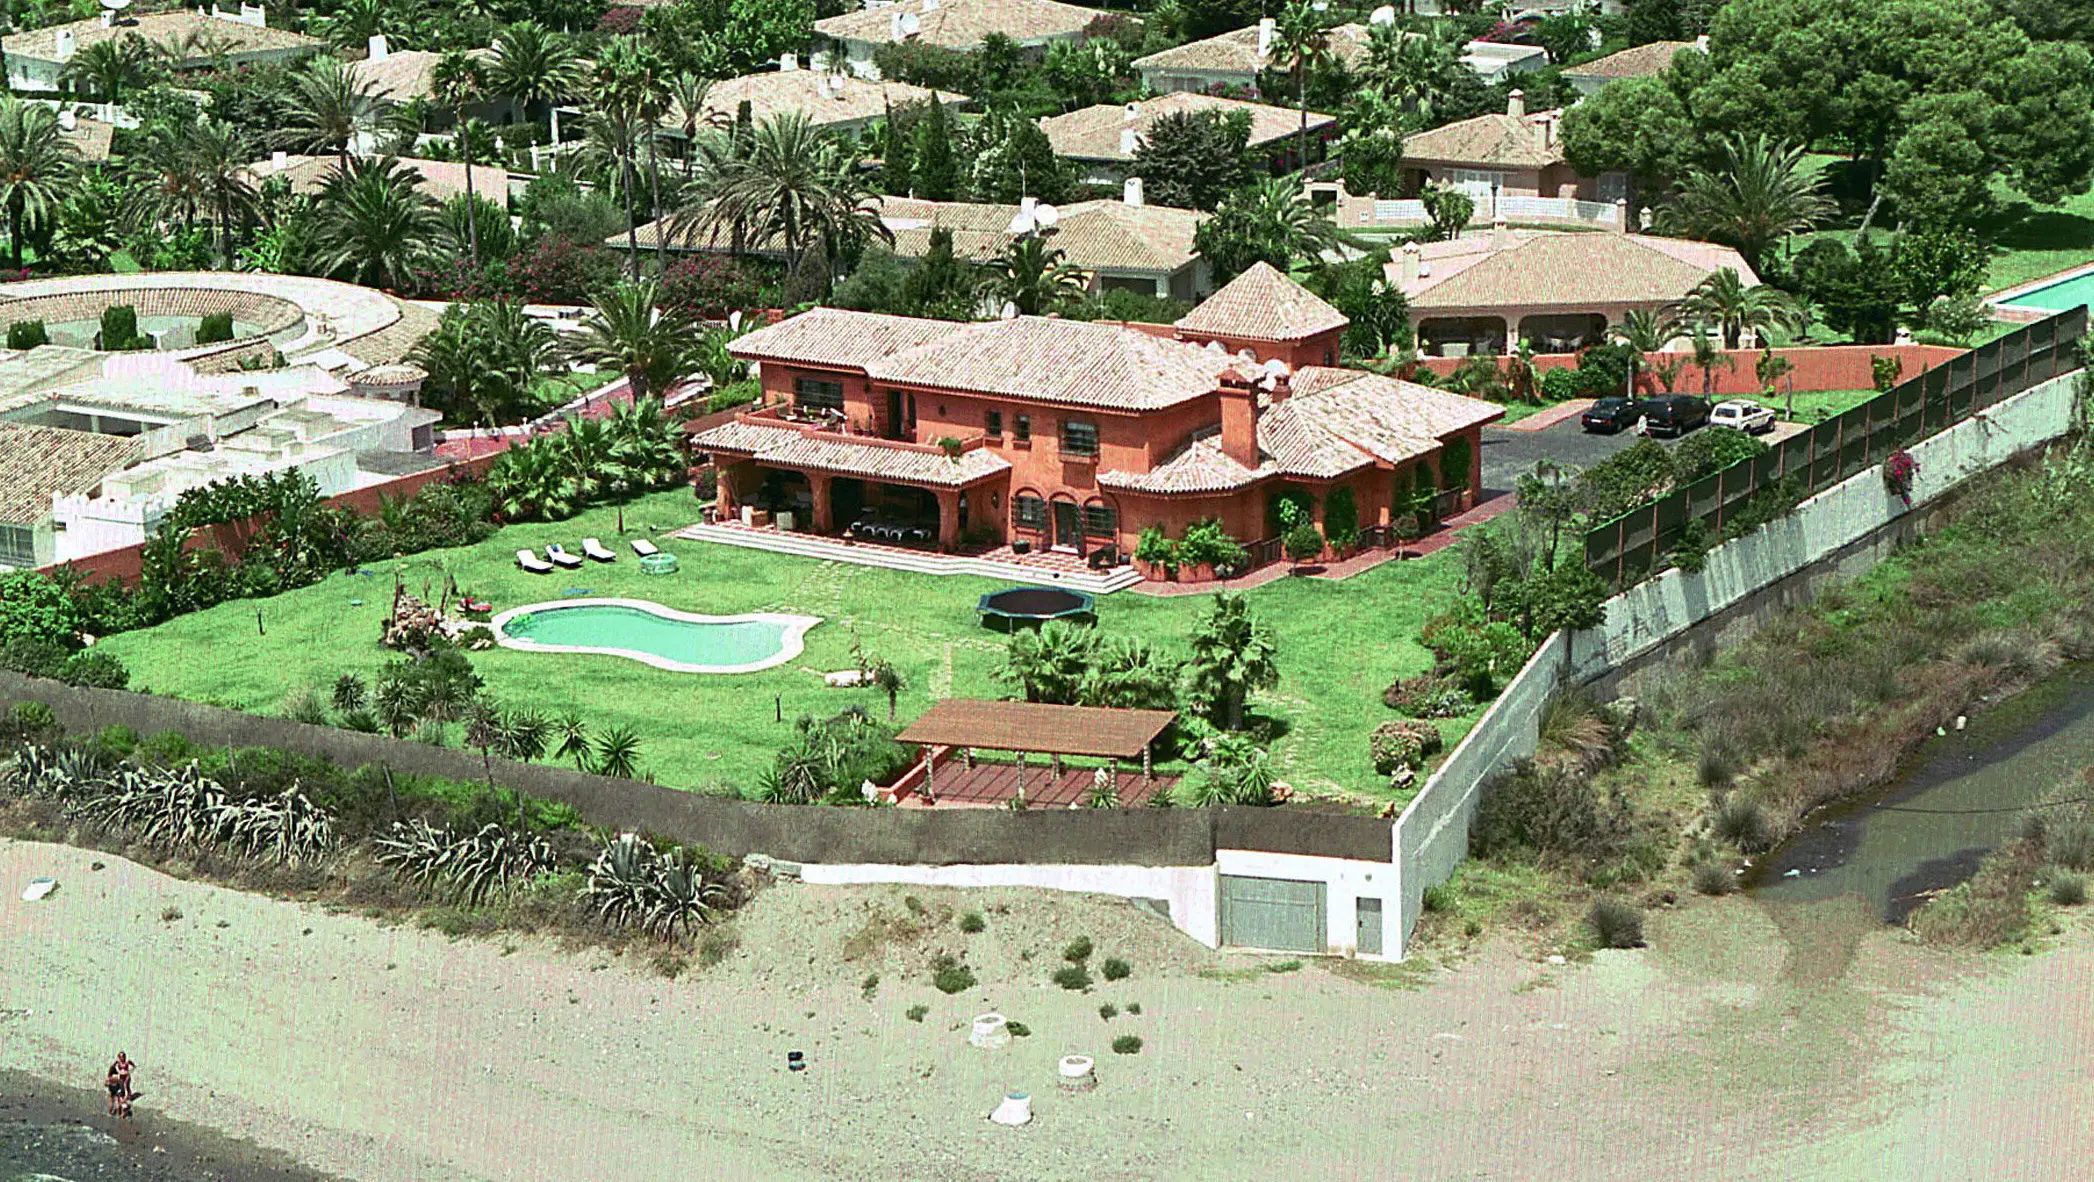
921,562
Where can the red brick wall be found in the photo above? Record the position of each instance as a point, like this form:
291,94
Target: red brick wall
1827,367
126,564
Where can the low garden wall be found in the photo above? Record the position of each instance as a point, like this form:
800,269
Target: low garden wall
1834,526
1824,367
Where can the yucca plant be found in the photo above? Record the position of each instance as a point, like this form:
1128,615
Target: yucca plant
61,774
472,868
286,829
166,808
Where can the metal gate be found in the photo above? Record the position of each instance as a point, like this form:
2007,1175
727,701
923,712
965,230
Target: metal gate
1276,913
1368,940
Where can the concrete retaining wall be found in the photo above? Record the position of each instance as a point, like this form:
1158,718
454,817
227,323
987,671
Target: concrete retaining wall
1842,531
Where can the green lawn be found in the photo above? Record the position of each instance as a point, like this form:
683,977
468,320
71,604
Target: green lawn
1813,406
1340,645
552,390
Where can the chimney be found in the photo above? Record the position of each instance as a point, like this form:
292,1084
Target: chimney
788,62
1516,104
895,32
1280,387
1266,29
1239,416
66,46
254,14
1131,112
108,19
378,47
1621,215
1501,238
279,160
1702,43
1545,126
1131,192
1130,139
1408,271
67,120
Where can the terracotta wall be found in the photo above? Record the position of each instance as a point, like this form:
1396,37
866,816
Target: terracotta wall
1827,367
126,564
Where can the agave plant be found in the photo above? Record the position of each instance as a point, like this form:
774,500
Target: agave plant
664,894
166,808
621,881
60,774
681,898
472,868
285,829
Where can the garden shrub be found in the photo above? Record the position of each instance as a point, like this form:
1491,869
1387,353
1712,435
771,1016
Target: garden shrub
1206,543
27,334
916,1013
1741,822
1156,549
1303,543
1108,1011
1711,450
1341,517
1428,696
972,922
950,976
1617,924
1714,878
1402,743
1072,977
1559,385
733,394
1127,1044
120,330
216,327
1480,653
2067,890
1544,812
1079,950
1115,969
1603,370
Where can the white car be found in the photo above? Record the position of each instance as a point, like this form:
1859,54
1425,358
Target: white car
1742,414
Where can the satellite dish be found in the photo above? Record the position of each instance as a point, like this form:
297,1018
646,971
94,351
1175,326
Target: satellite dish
911,24
116,5
1047,216
1383,16
1022,223
1276,368
734,321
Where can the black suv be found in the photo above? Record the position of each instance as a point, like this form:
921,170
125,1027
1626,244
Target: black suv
1610,415
1674,414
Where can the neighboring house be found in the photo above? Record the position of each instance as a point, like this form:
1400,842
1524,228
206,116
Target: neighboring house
1487,292
959,25
1493,157
189,38
1643,61
409,75
137,430
441,179
1232,61
838,102
1514,10
1118,244
1077,436
1102,140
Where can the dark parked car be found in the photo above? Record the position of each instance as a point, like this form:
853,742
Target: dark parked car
1674,414
1609,415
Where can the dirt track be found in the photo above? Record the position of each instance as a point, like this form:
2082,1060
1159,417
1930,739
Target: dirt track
423,1058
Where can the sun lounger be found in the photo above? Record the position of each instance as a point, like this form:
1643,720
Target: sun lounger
561,557
593,548
532,563
643,547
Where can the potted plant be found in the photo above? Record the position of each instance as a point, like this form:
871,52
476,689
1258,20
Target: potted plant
1156,556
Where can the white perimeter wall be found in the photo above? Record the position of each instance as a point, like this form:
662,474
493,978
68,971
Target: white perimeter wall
1432,835
1346,883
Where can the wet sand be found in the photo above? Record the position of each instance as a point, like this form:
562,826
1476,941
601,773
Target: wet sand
67,1133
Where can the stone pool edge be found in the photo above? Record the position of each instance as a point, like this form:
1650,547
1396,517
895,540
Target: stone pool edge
792,640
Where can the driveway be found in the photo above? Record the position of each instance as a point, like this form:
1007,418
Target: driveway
1509,454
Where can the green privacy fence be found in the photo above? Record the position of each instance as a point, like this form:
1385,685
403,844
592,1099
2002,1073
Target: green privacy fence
1621,551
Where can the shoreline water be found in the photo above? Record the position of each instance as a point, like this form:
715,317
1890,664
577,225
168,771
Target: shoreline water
51,1131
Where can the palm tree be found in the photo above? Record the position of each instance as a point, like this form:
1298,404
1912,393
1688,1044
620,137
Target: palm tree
1643,331
459,81
632,76
534,481
1300,40
1232,654
1270,221
687,95
618,753
1754,202
1708,354
1032,277
217,155
1051,663
798,184
1411,69
1727,306
646,444
372,223
165,187
326,108
35,161
626,327
612,143
110,69
533,66
573,733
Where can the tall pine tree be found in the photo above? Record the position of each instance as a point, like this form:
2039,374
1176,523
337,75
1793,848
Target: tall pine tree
936,174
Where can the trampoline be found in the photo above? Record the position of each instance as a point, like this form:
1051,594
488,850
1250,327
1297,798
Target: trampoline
1012,606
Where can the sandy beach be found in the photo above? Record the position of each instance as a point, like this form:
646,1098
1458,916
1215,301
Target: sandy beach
388,1053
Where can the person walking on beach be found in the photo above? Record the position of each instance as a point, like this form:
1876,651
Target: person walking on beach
119,1084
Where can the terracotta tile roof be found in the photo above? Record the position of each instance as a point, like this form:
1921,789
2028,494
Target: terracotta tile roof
37,462
1496,140
403,75
787,446
1641,61
179,32
1063,361
1095,133
1334,422
1237,52
1262,305
1038,728
1095,235
1539,269
441,179
840,338
90,137
824,99
962,24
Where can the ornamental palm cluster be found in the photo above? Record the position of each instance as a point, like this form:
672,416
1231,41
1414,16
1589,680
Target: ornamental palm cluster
665,894
470,867
175,810
637,449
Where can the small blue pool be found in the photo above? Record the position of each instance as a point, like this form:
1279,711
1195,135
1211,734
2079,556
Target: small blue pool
681,642
2075,291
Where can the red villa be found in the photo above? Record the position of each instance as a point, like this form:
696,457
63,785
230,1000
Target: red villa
1067,435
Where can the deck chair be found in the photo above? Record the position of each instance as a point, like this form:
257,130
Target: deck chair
645,548
532,563
561,557
592,548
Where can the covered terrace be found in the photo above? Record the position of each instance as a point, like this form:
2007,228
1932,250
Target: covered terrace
951,731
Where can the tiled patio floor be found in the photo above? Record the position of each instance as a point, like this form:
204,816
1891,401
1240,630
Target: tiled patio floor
990,785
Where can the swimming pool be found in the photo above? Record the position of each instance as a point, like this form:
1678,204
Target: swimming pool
2073,291
681,642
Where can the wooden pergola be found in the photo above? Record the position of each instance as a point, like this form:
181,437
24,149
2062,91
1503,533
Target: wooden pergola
1027,728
